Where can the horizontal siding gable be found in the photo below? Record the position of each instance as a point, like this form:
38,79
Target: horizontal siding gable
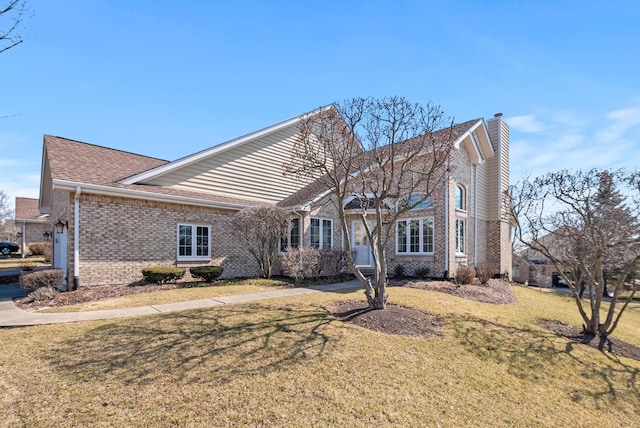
252,170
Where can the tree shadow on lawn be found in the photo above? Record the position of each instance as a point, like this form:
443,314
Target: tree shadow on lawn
529,353
196,346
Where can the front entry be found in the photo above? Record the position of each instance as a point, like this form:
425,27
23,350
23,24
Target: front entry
361,245
60,253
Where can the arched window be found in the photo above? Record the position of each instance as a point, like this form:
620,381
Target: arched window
460,198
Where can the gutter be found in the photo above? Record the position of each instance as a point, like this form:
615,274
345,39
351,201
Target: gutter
97,189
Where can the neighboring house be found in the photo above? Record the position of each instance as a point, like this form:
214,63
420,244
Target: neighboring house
533,268
115,212
29,225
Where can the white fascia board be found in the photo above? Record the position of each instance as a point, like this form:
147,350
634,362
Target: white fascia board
32,220
171,166
485,150
138,194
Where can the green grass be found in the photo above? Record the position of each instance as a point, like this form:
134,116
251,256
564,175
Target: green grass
227,287
288,362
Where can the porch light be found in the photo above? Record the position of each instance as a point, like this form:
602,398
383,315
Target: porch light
46,236
60,225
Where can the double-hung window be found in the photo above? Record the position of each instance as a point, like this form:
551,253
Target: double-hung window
321,233
414,236
194,241
292,238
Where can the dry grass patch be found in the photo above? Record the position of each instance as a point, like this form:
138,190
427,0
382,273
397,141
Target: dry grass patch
291,363
123,296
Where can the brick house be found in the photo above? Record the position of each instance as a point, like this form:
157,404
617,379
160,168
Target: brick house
114,212
28,225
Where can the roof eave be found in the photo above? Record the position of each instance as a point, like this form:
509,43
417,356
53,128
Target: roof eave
139,194
188,160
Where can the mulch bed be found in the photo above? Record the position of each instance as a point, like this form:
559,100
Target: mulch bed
91,294
394,319
495,291
605,344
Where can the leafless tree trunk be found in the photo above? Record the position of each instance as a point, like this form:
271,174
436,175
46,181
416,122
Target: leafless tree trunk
261,228
387,155
587,224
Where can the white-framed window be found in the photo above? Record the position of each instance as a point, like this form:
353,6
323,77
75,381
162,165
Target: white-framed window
414,236
292,238
461,196
194,241
459,236
321,233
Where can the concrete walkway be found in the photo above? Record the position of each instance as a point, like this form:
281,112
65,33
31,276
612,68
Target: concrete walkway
12,316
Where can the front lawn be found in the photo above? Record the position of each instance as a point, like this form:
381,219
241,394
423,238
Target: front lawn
288,362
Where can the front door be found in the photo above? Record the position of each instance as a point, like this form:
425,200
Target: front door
60,253
361,245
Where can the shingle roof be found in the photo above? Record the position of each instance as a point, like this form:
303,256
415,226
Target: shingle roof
75,161
27,209
87,163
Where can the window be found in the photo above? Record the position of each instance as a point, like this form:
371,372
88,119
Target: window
321,233
415,236
460,198
459,236
194,241
292,239
415,200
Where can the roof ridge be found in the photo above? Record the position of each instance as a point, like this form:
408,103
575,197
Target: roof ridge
103,147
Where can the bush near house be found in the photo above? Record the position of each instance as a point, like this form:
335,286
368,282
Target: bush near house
49,278
398,272
484,272
422,272
38,248
464,275
206,273
303,263
162,274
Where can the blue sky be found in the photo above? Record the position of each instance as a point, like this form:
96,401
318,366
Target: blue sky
167,79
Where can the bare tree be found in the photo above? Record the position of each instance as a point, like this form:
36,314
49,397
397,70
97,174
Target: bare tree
587,224
385,156
261,228
5,206
14,11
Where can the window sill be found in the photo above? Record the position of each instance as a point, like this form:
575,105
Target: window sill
194,259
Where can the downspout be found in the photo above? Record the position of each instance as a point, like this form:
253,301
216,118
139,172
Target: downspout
300,238
475,213
24,239
446,227
76,239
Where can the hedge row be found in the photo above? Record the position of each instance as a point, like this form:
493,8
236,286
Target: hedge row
166,274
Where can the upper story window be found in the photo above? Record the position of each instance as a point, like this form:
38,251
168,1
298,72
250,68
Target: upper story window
417,203
292,238
414,236
194,241
461,198
321,233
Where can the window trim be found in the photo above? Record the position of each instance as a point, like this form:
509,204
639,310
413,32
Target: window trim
194,242
421,236
321,232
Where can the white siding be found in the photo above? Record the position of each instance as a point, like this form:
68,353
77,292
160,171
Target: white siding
253,170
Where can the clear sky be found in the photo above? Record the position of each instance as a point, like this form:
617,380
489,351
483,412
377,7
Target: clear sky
169,78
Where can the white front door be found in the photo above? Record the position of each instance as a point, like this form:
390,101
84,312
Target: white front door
60,253
361,245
